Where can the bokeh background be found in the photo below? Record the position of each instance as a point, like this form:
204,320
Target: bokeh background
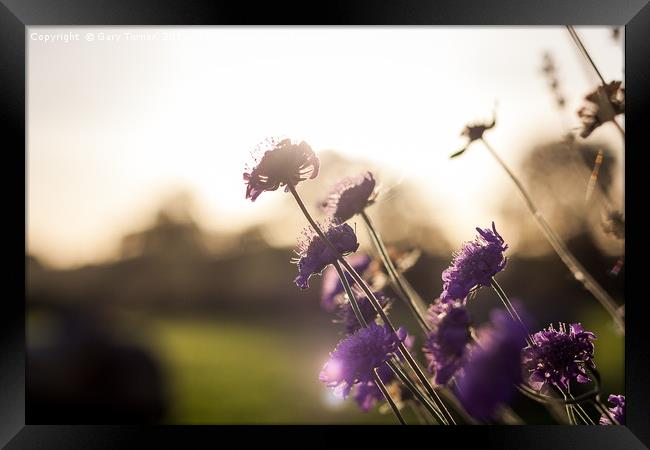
157,293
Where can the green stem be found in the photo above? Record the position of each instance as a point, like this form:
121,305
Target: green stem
371,296
433,411
578,271
403,289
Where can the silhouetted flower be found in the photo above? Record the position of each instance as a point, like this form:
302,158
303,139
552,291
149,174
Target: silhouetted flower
475,265
474,132
314,254
490,376
557,357
604,104
617,411
279,163
355,357
346,314
350,196
446,346
332,286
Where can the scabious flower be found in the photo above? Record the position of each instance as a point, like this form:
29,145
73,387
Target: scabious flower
604,104
349,197
493,369
348,318
355,357
474,132
314,254
557,357
368,394
475,265
617,411
446,346
279,163
332,286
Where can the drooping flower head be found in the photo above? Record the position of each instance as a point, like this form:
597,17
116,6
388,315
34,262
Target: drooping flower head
368,394
332,286
355,357
474,132
348,318
474,265
558,357
446,346
279,163
604,104
349,197
314,254
493,369
617,411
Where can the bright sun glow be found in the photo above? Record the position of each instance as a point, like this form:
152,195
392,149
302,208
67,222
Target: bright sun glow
113,125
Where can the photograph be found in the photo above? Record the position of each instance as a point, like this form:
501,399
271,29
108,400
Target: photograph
272,225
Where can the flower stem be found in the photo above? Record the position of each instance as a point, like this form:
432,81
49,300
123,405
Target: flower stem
432,410
577,269
511,309
387,396
403,289
371,297
602,409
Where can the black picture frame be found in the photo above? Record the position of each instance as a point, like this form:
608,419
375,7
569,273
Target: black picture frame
17,15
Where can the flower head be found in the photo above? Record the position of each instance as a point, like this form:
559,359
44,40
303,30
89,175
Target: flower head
617,411
604,104
557,357
314,254
349,197
355,357
474,132
348,318
368,394
279,163
446,346
332,286
475,265
494,367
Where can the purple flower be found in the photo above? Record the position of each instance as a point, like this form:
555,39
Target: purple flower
314,254
446,346
346,314
617,411
368,394
278,163
349,197
355,357
494,367
332,286
475,265
557,357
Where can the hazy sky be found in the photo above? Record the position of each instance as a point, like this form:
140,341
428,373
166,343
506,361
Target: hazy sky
118,119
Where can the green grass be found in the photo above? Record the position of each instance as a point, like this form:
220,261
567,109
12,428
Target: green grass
222,372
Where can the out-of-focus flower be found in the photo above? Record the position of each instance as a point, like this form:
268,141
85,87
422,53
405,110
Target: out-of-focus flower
279,163
346,314
557,357
332,286
474,132
614,224
550,72
474,265
355,357
314,254
604,104
617,411
446,346
350,196
490,376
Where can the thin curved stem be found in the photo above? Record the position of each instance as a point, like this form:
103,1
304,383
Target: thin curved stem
371,297
576,268
387,396
403,289
432,410
602,409
511,309
583,50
